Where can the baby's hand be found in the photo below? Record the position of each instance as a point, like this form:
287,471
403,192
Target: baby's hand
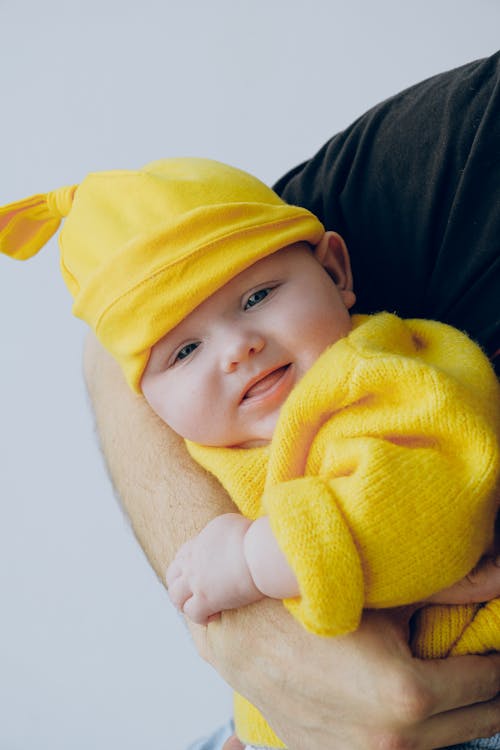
209,573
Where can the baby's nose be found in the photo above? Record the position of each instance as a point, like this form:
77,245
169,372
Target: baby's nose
241,347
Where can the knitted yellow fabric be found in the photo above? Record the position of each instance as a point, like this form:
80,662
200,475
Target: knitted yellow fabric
141,249
380,481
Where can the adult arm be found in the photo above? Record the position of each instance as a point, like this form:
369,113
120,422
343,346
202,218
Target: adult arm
359,691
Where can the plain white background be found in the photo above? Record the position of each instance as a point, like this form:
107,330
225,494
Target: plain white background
92,656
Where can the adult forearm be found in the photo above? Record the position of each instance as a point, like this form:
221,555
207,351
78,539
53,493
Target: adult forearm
167,497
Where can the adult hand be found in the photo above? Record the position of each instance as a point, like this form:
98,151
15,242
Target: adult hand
481,585
360,691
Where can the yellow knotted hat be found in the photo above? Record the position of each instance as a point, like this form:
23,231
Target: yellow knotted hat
141,249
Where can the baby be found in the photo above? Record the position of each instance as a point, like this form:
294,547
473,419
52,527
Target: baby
362,452
364,437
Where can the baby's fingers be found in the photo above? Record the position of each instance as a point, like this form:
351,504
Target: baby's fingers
179,590
481,585
174,570
198,609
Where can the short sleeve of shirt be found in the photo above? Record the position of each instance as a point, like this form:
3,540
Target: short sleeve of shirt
414,188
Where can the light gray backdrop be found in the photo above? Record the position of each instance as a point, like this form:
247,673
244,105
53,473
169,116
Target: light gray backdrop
92,656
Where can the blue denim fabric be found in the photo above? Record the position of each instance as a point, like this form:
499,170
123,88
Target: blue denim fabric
490,743
216,741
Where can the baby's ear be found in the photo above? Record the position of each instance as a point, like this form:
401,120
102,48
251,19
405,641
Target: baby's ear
331,251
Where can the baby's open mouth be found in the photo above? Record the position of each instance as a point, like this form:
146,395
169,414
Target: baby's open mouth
265,383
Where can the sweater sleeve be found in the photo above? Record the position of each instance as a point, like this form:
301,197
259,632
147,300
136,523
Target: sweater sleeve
381,483
317,542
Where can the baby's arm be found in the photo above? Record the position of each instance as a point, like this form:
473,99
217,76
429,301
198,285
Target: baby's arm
234,562
231,563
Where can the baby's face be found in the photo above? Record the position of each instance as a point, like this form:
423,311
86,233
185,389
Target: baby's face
221,376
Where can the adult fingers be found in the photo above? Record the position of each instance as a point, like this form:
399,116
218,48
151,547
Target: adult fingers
458,681
480,585
462,725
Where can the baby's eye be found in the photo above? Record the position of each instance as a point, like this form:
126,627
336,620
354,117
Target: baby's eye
257,297
185,351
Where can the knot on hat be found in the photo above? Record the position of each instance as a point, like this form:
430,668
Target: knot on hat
60,201
26,225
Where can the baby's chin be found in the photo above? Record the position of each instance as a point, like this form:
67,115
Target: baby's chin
259,437
257,443
251,443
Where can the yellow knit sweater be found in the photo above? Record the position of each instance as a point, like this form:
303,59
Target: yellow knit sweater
379,484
